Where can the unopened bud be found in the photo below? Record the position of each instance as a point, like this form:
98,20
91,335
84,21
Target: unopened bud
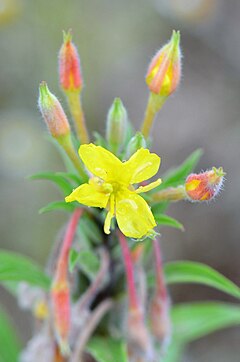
206,185
164,72
69,65
135,143
116,125
52,112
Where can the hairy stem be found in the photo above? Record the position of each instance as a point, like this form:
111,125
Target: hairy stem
75,106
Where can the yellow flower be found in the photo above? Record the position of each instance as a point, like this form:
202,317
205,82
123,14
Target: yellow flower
111,188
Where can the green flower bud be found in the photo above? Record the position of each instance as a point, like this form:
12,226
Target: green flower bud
135,143
116,125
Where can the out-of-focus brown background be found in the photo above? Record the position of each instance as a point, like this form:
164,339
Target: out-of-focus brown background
116,40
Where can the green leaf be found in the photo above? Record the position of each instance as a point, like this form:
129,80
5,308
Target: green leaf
90,229
162,219
67,162
73,259
107,350
88,263
160,207
15,267
71,176
178,175
192,272
197,273
192,321
100,140
57,178
57,205
10,344
11,286
174,352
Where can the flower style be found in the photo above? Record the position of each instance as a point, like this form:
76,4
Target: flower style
111,187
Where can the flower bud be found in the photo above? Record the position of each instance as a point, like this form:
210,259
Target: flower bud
69,65
116,125
204,186
164,72
135,143
52,112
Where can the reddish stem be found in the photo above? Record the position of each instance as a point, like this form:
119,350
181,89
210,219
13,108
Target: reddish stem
160,283
67,243
60,293
132,293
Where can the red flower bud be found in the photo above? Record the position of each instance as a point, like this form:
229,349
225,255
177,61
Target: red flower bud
69,65
204,186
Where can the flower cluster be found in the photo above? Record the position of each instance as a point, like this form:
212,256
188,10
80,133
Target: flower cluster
113,209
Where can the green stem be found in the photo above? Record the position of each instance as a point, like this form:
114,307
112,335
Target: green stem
66,142
155,103
170,194
75,106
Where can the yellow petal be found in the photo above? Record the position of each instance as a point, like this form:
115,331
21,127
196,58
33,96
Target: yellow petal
148,187
133,214
88,195
110,215
100,162
141,166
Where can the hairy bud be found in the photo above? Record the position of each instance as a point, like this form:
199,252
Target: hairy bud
52,112
204,186
70,76
164,72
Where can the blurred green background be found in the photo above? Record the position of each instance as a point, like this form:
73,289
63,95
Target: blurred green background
116,40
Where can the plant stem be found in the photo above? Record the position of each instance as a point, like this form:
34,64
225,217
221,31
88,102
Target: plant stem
75,106
66,143
129,268
62,265
155,103
60,293
91,324
160,283
170,194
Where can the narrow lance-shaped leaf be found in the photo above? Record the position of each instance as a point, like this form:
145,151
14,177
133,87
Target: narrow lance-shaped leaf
59,180
166,220
192,272
192,321
198,273
19,268
57,205
116,351
178,175
10,344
